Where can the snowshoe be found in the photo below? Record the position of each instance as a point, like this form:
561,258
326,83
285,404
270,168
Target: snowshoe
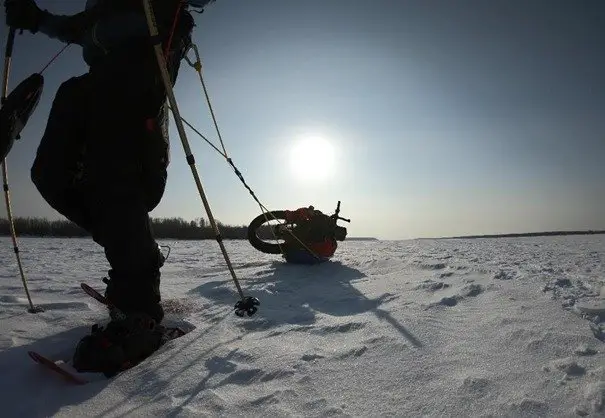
121,344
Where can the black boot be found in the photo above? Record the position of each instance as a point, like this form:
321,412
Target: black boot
122,344
139,294
135,296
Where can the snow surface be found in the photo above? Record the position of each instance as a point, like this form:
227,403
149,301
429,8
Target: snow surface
484,327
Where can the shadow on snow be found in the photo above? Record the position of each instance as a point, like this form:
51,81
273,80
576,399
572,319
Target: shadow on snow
292,295
20,373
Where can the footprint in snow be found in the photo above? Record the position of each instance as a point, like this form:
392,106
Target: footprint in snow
355,352
433,266
376,340
470,290
250,376
340,328
504,275
528,407
78,306
311,357
475,386
594,400
10,299
448,301
569,366
585,350
274,398
431,286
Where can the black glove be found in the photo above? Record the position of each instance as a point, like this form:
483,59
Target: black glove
23,14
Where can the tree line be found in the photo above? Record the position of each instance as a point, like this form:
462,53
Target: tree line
172,228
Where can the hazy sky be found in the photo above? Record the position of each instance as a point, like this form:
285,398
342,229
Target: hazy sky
444,117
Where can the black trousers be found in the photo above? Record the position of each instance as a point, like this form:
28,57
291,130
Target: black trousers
102,164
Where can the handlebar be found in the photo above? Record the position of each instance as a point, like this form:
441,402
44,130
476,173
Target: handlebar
336,212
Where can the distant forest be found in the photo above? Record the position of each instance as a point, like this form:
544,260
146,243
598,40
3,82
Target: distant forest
529,234
163,228
199,229
173,228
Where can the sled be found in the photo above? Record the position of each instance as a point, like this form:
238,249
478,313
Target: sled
302,236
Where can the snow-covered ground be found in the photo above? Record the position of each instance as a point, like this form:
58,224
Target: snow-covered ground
485,327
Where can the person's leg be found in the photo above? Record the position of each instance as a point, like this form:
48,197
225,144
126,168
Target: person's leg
155,158
57,170
125,97
127,159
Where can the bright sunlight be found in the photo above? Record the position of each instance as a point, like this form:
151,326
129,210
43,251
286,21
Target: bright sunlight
312,159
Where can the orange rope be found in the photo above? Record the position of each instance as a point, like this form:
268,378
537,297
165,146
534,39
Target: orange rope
172,30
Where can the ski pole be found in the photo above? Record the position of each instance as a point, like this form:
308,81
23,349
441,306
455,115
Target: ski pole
247,304
7,63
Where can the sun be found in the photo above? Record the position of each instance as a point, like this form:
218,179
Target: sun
312,159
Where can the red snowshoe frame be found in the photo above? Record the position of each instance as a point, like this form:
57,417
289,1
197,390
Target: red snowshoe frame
305,235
